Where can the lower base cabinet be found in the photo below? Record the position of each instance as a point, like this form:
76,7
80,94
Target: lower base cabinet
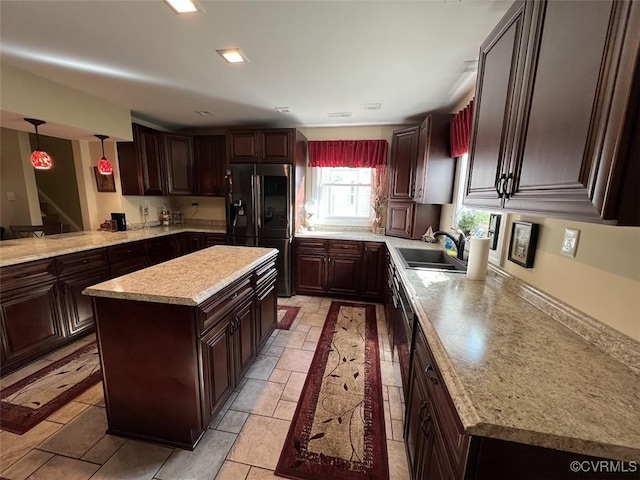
78,308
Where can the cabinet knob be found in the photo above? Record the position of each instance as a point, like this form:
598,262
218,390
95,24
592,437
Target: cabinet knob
431,374
233,295
500,185
426,426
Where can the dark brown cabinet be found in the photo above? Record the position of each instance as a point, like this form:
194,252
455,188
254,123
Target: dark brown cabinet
243,331
77,307
141,163
411,220
557,104
404,154
372,280
127,258
267,303
310,272
212,239
217,367
191,242
343,275
209,153
161,249
435,169
260,146
178,164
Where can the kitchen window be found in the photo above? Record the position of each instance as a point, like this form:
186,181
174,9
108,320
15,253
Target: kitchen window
342,195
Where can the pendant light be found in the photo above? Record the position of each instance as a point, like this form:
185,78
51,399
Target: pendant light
104,165
40,159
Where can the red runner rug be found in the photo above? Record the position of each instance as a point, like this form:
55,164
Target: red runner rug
338,430
286,316
29,401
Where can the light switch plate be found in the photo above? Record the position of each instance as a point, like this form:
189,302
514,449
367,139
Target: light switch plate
11,196
570,242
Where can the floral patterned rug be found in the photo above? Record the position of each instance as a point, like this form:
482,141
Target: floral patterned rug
286,316
29,401
338,429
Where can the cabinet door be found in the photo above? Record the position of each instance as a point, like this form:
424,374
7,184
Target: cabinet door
178,155
404,152
212,239
499,74
435,169
149,148
193,242
209,159
78,308
267,312
217,367
311,272
128,266
373,270
243,146
160,250
31,323
276,146
417,421
244,335
400,219
343,275
568,110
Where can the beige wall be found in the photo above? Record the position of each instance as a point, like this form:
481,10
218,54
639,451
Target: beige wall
14,154
28,95
208,208
59,183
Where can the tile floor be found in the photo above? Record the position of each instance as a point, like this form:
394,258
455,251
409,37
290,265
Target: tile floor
71,444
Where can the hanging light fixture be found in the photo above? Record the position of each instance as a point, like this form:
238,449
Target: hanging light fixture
104,165
40,159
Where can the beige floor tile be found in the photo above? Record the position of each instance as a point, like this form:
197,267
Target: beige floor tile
279,376
69,349
387,421
15,446
285,410
310,346
226,406
260,442
24,372
78,436
312,319
262,367
93,396
63,468
202,463
261,474
67,413
290,339
104,449
314,334
390,373
397,430
274,351
258,397
385,393
323,311
233,471
394,403
301,328
398,469
26,465
134,461
294,386
295,360
233,421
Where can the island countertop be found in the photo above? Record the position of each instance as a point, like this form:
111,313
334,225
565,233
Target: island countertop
187,280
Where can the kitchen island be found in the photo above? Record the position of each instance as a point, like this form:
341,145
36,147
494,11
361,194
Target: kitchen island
175,339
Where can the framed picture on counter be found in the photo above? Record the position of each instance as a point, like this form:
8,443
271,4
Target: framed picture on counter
104,183
522,247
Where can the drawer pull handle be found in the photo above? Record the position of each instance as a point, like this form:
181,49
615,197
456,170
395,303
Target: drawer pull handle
233,295
431,374
22,275
86,260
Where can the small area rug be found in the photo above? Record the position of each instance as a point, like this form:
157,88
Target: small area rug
338,429
31,400
286,316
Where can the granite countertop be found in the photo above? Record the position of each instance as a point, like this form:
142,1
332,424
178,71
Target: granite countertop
516,373
23,250
187,280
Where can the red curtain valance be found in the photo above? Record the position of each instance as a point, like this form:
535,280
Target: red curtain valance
348,153
461,131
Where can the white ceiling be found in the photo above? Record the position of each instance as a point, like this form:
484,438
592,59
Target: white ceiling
314,57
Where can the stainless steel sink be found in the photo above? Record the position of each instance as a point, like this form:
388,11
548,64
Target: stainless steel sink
423,259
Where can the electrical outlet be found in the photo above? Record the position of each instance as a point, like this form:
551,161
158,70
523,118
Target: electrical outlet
11,196
194,204
570,242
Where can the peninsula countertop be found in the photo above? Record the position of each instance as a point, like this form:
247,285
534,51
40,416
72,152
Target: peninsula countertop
515,372
187,280
13,252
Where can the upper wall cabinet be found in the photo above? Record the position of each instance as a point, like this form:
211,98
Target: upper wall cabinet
141,169
260,146
556,110
178,164
209,158
404,154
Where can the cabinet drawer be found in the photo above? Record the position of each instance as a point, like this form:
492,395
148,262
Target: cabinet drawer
311,244
127,251
27,274
214,309
80,262
265,272
345,246
455,441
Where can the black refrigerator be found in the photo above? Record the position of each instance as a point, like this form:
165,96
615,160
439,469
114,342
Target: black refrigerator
260,213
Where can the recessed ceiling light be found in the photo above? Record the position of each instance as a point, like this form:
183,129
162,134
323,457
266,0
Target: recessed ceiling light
184,6
339,114
282,109
233,55
372,106
205,113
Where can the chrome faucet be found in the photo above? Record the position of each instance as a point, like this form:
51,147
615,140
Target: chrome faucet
459,242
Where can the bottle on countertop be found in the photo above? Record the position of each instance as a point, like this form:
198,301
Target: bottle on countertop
165,216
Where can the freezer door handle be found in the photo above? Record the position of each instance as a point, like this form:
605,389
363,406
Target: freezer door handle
257,192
